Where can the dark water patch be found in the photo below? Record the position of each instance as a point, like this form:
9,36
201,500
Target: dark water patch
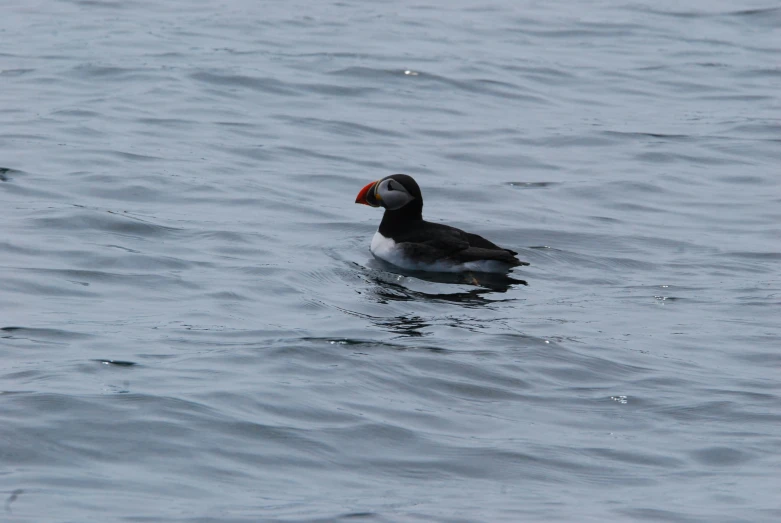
465,372
15,72
129,193
422,79
83,131
43,334
117,279
758,357
7,174
636,458
465,390
260,84
759,13
463,193
112,73
766,128
585,371
25,137
127,156
331,180
744,395
106,4
654,514
409,105
721,456
644,136
120,247
666,299
483,86
78,113
117,363
229,296
232,237
769,17
762,72
605,219
363,346
121,223
700,89
444,133
745,180
702,411
30,286
567,141
171,123
332,158
515,161
543,73
739,98
686,159
11,498
574,34
246,125
340,127
531,185
759,256
370,73
336,90
255,152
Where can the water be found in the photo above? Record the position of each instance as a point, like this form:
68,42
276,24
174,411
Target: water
193,328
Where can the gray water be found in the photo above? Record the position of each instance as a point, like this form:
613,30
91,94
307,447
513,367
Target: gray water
194,329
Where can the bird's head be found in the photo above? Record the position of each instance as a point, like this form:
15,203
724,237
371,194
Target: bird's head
392,192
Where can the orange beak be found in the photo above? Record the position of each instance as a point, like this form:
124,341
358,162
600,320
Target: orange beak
367,196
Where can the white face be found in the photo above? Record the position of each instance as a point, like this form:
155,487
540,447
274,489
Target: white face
392,194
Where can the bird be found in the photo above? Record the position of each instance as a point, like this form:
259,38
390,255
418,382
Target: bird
408,241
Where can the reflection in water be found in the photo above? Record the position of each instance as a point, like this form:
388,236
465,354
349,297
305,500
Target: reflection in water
389,280
392,284
404,325
408,326
489,281
394,291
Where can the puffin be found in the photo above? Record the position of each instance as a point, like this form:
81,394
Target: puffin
408,241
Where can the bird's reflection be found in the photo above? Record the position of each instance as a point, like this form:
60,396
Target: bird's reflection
406,326
389,285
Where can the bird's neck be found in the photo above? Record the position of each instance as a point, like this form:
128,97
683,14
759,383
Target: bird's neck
400,219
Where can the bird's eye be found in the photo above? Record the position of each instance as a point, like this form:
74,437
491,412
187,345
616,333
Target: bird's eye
390,186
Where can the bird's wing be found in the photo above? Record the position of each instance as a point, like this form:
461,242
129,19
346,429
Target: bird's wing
480,254
430,251
478,241
454,244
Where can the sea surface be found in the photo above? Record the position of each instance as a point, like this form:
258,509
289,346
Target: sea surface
193,329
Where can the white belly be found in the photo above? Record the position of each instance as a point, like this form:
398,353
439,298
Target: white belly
387,249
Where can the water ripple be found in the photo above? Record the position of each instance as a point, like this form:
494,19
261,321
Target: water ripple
194,328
